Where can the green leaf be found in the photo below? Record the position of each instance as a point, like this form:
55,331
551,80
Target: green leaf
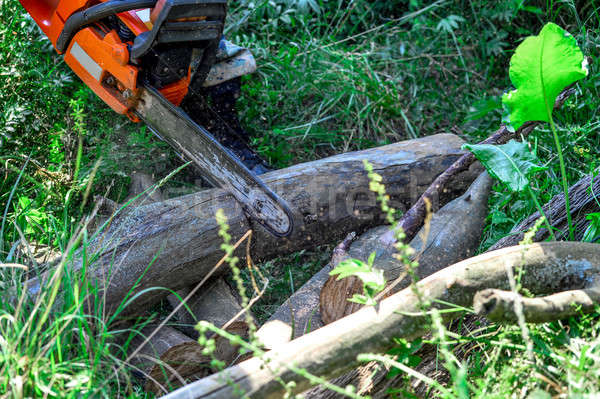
349,267
540,69
373,279
363,300
593,230
371,259
511,163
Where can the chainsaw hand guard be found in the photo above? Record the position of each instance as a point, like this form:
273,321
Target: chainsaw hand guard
182,21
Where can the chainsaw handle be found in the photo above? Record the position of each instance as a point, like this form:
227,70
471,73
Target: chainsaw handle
78,20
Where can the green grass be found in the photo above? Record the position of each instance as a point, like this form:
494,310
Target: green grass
333,76
58,342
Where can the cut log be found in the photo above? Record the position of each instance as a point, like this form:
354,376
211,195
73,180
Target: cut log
216,304
299,314
168,358
174,243
452,235
333,349
583,197
447,243
140,183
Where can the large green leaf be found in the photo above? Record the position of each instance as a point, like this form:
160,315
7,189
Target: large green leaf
511,163
540,69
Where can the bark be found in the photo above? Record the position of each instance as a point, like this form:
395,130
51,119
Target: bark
299,314
446,242
499,306
413,219
216,304
168,358
584,198
333,349
174,243
142,182
453,234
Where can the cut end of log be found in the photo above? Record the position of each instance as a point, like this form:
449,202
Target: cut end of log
275,333
215,303
334,297
183,361
168,358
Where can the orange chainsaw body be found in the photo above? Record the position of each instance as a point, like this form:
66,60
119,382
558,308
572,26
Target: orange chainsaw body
98,56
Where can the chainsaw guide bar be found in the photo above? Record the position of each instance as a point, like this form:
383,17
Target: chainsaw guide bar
219,166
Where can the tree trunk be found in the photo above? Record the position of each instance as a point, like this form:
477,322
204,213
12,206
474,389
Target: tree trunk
174,243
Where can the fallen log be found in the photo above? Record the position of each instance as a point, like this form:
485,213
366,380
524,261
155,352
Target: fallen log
452,235
443,243
174,243
299,314
333,349
168,358
216,304
583,197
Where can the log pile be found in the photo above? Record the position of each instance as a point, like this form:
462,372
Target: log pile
549,268
286,334
173,243
323,299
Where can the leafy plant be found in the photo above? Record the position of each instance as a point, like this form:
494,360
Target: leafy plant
373,279
540,69
592,233
512,164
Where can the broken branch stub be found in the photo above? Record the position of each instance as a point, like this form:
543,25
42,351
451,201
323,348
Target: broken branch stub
499,305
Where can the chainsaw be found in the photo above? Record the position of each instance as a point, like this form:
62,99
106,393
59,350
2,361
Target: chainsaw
144,58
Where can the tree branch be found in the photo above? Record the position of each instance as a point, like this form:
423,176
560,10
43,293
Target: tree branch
499,306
